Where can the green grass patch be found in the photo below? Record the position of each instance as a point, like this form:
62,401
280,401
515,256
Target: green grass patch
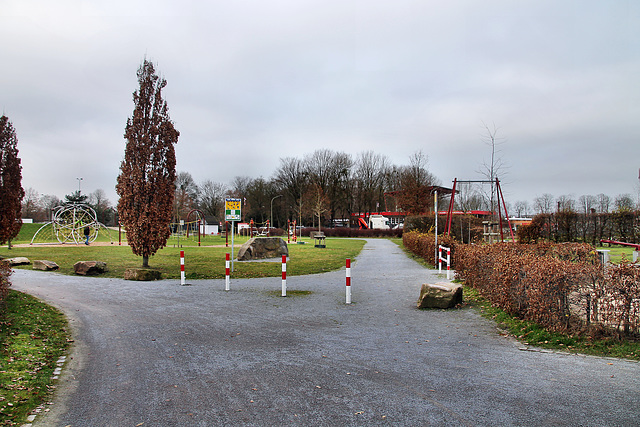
290,293
33,336
532,334
204,262
616,252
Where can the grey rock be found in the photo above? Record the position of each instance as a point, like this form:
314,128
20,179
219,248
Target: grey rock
142,274
89,268
440,295
263,247
45,265
18,261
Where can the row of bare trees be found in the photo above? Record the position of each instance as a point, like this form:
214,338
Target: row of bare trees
585,204
569,226
322,186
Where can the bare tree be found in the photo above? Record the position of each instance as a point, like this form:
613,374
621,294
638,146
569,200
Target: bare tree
31,203
319,204
186,198
369,179
146,184
415,196
102,206
494,167
292,178
11,191
566,203
521,208
212,198
603,203
544,204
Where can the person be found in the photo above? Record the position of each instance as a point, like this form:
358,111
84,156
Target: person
87,231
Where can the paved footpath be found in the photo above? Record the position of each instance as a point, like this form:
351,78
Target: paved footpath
161,354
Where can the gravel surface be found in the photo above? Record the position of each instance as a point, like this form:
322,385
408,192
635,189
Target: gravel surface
161,354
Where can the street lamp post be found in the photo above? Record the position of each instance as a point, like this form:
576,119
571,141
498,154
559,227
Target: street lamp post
271,223
79,181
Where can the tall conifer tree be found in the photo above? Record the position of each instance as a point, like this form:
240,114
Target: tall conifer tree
146,184
11,191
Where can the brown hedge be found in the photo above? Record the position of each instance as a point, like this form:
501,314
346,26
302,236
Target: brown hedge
560,286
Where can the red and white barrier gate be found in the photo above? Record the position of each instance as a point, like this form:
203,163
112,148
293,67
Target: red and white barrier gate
182,281
226,272
348,282
284,275
447,260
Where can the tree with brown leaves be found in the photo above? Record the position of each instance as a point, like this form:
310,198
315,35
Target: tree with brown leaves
146,184
11,191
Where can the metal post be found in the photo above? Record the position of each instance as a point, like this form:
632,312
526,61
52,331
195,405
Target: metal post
182,279
226,272
348,281
233,234
284,275
435,204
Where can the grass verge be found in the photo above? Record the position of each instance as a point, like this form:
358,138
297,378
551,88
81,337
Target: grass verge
205,262
532,334
33,337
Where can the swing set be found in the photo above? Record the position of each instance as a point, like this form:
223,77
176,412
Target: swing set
447,229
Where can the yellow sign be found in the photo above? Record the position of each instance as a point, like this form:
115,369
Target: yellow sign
232,209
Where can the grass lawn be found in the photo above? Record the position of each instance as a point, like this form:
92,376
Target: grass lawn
617,252
201,262
33,336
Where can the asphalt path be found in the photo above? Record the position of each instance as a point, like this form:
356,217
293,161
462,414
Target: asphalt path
161,354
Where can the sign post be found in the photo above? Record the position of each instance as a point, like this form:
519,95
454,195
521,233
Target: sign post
232,213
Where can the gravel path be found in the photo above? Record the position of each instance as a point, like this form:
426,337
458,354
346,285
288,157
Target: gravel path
162,354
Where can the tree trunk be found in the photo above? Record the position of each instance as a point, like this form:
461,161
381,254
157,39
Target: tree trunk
145,261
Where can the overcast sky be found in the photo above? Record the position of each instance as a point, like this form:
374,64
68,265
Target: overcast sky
250,82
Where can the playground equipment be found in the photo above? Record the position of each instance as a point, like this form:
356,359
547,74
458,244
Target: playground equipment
68,223
635,246
447,229
375,222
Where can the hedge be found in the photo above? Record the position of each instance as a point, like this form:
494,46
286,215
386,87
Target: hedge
563,287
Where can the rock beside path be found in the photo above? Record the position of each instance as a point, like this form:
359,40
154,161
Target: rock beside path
440,295
17,261
263,247
89,268
45,265
142,274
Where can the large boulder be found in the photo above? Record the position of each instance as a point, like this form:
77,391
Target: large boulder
89,268
440,295
142,274
44,265
17,261
263,247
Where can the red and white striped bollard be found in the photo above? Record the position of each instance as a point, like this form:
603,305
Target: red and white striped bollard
182,281
226,272
284,275
348,282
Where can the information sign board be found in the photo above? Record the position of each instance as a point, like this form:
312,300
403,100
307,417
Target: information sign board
232,209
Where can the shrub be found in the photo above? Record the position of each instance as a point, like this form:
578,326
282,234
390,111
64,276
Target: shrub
424,244
353,232
560,286
5,272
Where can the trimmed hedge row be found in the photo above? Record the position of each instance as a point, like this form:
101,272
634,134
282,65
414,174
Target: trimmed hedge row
424,244
560,286
563,287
